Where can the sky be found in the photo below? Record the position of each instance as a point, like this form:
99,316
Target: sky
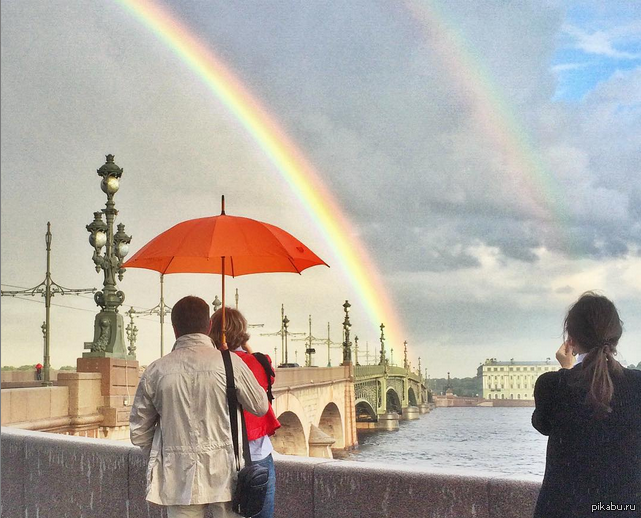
484,155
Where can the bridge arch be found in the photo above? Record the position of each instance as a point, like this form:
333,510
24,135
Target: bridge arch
365,411
292,437
393,401
411,396
331,423
289,439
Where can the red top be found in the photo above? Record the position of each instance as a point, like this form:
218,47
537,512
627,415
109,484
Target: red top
257,427
39,366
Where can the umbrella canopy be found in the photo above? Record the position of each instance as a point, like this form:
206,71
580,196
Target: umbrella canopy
247,246
228,245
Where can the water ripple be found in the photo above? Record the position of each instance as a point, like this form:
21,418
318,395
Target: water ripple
496,440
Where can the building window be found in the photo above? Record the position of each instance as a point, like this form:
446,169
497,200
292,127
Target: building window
511,396
502,396
519,396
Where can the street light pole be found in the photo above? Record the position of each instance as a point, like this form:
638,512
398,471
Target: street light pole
47,288
108,341
347,345
382,358
356,350
285,326
406,364
132,332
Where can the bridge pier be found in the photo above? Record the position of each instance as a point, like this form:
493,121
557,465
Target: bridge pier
388,421
320,443
410,413
424,408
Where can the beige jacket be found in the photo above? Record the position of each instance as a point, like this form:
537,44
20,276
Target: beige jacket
180,417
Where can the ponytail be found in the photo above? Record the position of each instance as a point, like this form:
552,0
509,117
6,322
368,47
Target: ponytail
599,367
593,323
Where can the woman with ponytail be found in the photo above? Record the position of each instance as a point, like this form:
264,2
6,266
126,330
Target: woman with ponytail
591,411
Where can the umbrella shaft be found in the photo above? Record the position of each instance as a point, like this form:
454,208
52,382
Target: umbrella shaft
224,337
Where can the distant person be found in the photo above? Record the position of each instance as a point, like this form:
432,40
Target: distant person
258,428
180,418
591,411
39,371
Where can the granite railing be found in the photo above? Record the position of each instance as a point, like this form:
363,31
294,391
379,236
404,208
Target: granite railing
55,476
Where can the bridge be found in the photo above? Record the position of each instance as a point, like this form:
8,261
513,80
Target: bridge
320,408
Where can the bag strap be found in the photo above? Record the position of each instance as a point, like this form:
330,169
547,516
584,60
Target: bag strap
233,405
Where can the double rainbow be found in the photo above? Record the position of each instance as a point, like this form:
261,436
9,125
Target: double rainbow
288,159
527,176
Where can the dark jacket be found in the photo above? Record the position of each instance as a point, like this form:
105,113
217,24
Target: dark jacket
589,462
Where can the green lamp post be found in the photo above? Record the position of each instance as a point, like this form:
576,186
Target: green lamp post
108,340
383,360
347,345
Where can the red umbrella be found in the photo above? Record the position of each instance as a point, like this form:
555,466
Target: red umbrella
228,245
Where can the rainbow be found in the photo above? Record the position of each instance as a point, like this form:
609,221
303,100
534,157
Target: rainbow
527,176
288,159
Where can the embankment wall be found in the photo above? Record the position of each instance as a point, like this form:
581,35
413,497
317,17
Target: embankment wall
51,475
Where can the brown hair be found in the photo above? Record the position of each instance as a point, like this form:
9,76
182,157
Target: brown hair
235,328
190,315
593,323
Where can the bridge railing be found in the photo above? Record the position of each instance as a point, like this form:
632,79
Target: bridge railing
300,376
368,371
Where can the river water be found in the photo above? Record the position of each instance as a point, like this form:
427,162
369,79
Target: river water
496,440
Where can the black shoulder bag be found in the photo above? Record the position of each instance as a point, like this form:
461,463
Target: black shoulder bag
251,487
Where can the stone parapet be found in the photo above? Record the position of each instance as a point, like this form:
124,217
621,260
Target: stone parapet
34,404
50,475
118,380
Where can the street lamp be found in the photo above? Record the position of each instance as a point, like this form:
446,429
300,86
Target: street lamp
406,364
356,350
48,288
382,358
216,303
347,345
132,332
285,326
108,340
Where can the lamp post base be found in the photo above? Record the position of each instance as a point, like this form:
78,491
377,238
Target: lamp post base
109,338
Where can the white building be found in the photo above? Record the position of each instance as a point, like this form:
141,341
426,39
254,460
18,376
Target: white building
512,379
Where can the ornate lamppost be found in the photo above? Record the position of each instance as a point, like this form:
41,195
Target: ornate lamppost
382,357
285,326
347,345
406,364
108,340
132,332
356,350
48,288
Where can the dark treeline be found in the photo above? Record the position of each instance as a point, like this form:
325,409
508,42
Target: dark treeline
469,387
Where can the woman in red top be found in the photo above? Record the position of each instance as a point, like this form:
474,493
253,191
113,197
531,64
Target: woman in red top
258,428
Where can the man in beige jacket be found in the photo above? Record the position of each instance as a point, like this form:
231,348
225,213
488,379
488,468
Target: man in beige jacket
180,418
